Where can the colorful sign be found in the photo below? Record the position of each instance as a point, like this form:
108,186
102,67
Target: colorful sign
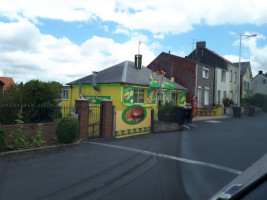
153,82
168,96
96,99
182,98
128,95
134,114
151,96
134,120
167,85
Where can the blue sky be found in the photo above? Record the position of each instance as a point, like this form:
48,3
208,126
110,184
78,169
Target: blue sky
65,40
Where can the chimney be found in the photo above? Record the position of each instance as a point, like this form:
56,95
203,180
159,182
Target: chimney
260,72
138,61
94,81
201,44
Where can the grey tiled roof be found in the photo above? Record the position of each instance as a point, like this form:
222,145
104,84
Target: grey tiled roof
124,72
243,67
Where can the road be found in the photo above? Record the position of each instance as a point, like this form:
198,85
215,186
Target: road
190,164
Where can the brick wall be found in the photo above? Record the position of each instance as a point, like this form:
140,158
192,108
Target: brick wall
49,130
183,71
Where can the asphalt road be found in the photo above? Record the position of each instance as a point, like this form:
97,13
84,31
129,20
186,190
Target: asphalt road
190,164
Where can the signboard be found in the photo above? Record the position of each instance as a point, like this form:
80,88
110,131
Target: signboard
167,85
128,95
96,99
182,98
151,96
153,82
133,120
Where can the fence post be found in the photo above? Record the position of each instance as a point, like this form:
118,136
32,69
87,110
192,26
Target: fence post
82,108
107,118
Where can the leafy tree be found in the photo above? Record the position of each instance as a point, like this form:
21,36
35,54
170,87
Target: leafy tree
32,95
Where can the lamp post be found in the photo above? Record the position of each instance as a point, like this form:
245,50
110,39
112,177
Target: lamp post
239,64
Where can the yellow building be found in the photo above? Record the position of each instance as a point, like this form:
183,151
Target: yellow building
129,88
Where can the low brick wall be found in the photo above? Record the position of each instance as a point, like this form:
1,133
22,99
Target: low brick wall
49,130
160,126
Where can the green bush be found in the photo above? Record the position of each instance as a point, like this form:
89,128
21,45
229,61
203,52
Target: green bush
258,100
67,130
227,102
2,138
166,113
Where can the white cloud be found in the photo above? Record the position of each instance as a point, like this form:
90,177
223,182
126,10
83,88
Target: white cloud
258,59
53,59
157,16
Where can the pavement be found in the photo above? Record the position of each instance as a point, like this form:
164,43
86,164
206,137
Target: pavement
212,117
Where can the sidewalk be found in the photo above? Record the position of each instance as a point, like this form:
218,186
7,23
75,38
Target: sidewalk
203,118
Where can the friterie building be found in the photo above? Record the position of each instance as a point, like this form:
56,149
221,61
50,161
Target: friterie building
134,91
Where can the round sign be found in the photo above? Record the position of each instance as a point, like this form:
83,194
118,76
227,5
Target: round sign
134,114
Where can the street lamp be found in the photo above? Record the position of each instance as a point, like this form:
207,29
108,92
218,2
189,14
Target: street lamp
239,64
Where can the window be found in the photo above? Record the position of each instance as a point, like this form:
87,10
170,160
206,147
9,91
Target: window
223,77
264,81
219,97
206,96
139,95
235,77
231,75
65,94
224,94
247,85
231,95
205,73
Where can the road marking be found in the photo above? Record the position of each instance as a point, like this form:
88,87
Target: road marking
213,121
187,127
192,125
223,168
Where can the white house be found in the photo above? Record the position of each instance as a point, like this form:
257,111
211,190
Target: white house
259,83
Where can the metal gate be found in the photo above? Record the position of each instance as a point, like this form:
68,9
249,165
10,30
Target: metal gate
94,127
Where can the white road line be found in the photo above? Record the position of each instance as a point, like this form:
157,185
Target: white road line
213,121
187,127
192,125
223,168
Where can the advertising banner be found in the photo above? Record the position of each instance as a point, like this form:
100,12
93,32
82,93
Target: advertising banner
151,96
133,120
128,95
182,98
153,82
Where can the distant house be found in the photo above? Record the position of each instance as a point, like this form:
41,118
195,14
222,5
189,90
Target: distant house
226,72
259,83
5,82
245,79
198,78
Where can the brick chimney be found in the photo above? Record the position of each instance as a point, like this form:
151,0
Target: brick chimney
260,72
201,44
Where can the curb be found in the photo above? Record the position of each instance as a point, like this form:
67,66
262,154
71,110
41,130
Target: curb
39,148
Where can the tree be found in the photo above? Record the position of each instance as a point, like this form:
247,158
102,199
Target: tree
37,98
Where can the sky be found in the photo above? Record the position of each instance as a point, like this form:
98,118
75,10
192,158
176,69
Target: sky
64,40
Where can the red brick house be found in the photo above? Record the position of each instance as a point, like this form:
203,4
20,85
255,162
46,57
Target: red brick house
5,82
198,78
